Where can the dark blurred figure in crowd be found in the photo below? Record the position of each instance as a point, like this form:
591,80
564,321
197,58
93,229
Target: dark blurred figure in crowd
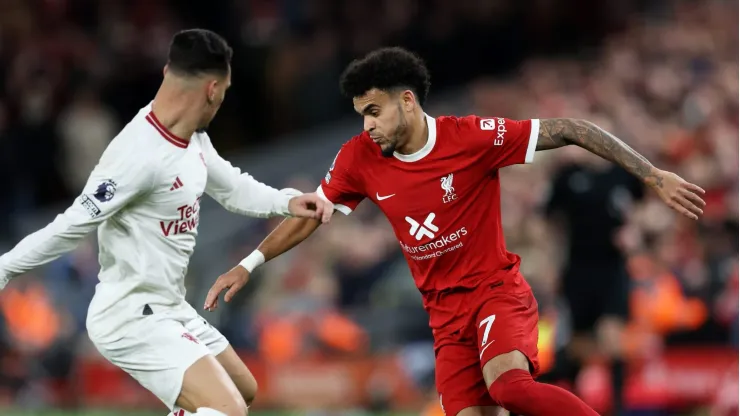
592,200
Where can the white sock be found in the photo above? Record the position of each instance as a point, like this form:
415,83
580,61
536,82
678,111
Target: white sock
204,411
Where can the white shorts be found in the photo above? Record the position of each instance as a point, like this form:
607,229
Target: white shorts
157,349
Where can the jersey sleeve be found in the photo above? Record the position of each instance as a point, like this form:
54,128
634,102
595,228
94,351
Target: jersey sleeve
121,176
507,142
340,185
238,191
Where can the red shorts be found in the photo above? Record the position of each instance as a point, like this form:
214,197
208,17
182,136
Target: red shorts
493,320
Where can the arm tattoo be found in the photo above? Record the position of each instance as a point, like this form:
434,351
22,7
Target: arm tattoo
559,132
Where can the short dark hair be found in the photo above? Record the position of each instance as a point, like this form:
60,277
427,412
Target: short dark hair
386,69
198,51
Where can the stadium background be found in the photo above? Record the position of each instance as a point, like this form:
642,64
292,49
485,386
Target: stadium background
337,323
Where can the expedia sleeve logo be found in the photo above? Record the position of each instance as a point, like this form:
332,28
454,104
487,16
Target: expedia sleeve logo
498,125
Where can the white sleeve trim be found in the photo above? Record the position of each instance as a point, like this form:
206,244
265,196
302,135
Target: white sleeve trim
339,207
534,133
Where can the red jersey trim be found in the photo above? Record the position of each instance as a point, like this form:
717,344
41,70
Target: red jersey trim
177,141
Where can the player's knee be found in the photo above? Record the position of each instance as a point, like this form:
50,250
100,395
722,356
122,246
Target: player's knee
500,364
246,384
229,402
249,392
510,388
237,406
207,411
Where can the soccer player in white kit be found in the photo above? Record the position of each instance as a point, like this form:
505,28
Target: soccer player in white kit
144,197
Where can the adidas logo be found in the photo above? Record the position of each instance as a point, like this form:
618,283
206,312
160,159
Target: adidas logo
177,184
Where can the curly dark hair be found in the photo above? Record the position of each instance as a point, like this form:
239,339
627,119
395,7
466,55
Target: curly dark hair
386,69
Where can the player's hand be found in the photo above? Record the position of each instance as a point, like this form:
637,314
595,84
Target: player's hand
233,280
678,194
311,206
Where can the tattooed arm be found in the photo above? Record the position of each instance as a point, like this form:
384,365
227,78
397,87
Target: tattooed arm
676,192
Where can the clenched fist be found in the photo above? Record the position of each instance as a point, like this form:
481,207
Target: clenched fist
311,206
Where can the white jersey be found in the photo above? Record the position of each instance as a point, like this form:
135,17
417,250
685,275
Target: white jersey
144,198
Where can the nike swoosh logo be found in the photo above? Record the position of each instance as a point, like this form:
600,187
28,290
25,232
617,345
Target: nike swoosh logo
484,349
380,198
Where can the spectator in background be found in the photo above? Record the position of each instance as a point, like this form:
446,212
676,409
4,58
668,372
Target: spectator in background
668,80
593,199
85,128
7,168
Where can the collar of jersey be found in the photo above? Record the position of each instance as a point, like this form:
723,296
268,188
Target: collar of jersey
428,147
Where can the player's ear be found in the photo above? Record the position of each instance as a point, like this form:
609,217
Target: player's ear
211,86
408,100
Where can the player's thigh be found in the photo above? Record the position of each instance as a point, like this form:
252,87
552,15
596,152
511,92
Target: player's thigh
239,373
219,347
159,352
507,335
484,411
206,384
459,378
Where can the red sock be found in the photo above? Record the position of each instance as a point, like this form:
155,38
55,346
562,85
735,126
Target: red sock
517,392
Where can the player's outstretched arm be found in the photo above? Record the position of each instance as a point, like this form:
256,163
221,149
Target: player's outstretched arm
680,195
242,194
290,233
120,177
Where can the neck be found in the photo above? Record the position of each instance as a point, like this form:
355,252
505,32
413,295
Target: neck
173,107
418,134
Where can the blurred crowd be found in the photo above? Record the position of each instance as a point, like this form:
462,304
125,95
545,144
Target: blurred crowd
664,80
73,71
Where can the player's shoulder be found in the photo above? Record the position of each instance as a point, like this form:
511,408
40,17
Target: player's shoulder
137,144
463,131
468,123
147,133
137,132
358,149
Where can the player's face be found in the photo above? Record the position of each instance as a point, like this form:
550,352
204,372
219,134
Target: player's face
215,94
384,118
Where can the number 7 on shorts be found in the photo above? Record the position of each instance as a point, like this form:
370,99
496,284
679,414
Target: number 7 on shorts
487,322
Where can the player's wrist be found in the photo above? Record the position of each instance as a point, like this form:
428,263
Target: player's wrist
282,204
651,179
253,260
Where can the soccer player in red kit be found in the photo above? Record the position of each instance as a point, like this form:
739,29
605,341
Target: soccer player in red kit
437,182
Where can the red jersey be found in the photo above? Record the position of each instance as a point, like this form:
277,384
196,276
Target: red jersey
442,201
